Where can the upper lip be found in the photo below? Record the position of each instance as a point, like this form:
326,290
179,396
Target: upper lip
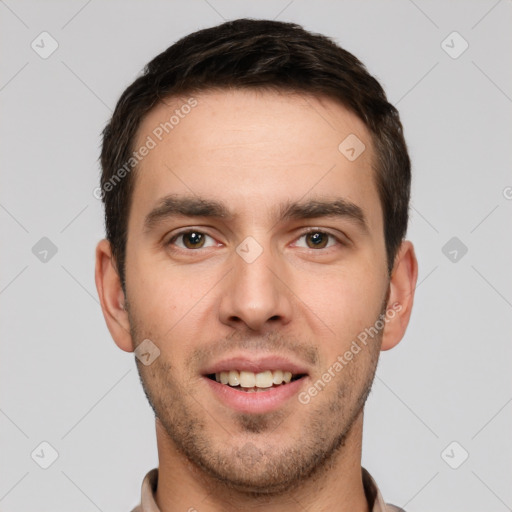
255,364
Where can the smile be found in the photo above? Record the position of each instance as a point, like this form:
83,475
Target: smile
251,382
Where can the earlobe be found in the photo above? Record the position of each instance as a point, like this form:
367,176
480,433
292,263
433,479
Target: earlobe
401,295
112,297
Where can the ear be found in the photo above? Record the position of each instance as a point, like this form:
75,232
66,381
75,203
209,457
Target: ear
112,297
401,295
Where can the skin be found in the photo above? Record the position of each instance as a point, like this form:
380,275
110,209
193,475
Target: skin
253,150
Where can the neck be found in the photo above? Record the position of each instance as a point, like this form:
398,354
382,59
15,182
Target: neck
336,486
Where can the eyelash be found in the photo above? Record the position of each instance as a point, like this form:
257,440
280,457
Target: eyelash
304,233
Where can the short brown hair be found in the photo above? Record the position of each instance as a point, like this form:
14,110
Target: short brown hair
248,53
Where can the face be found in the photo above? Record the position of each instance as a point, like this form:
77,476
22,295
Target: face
256,250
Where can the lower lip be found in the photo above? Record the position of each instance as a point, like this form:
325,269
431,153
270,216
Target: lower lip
258,402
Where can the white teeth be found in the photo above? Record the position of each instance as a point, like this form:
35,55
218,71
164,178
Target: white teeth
264,379
246,379
234,378
277,377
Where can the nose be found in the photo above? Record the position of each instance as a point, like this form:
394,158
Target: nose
255,294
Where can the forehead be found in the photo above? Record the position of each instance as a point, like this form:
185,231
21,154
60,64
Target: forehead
255,149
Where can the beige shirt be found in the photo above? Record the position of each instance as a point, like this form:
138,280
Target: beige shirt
373,495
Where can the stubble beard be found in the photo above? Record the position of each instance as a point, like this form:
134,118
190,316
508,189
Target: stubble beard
252,461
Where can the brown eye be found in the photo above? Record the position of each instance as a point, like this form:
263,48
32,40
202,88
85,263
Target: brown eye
191,240
317,239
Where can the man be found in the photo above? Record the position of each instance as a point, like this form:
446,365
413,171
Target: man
256,186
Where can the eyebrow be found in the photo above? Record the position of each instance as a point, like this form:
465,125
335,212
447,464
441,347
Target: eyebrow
186,206
192,206
338,207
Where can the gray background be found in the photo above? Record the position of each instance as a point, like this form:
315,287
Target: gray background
64,381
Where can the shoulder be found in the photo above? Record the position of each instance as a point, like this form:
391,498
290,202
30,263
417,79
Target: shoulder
374,496
393,508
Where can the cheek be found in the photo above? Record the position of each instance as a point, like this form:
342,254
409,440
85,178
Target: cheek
347,300
168,297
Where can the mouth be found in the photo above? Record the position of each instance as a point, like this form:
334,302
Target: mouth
251,382
251,385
